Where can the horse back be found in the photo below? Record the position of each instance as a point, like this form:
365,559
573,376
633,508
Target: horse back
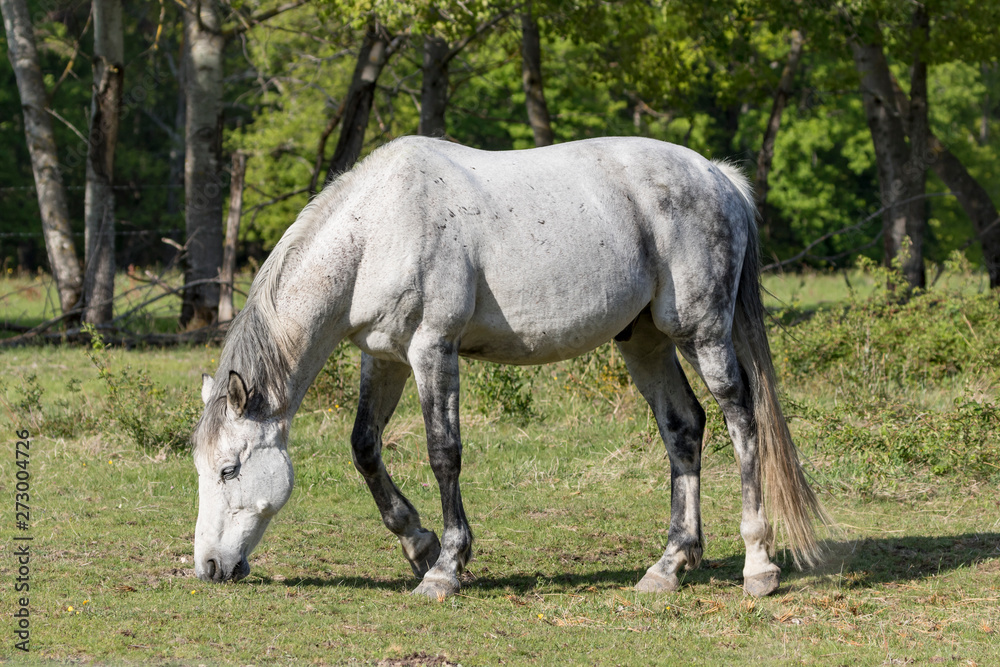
537,255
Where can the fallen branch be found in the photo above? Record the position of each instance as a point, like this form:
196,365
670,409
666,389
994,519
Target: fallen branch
118,334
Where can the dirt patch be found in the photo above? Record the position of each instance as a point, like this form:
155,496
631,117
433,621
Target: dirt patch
992,565
416,660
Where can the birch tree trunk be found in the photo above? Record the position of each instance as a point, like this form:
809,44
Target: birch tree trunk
23,57
99,200
766,154
376,49
531,78
434,89
203,187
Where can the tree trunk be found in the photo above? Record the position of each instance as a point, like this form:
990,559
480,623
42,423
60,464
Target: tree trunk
900,189
99,200
915,171
531,77
975,201
971,195
766,154
203,187
434,89
226,310
42,146
375,52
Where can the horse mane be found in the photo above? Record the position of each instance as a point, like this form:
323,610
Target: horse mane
258,345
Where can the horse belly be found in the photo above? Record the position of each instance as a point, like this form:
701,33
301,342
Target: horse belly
530,315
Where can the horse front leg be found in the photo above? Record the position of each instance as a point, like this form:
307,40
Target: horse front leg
381,386
435,368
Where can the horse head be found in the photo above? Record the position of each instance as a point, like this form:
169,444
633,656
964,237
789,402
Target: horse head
244,477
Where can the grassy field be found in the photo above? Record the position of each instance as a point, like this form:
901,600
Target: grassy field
893,407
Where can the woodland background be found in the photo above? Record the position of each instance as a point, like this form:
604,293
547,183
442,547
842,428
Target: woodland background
863,123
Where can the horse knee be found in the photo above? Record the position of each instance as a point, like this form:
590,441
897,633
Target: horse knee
366,452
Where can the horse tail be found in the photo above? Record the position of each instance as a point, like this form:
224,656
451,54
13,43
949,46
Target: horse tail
787,495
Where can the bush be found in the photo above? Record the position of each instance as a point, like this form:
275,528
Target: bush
336,386
889,365
600,375
153,417
504,391
964,440
64,419
875,346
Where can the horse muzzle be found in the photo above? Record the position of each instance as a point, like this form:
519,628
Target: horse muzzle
215,571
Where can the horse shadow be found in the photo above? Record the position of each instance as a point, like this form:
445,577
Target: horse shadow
852,563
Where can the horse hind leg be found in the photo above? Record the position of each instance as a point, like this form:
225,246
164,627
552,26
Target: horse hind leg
381,386
652,363
717,364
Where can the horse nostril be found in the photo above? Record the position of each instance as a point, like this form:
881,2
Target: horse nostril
211,568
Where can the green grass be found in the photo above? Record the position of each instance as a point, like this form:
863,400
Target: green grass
568,509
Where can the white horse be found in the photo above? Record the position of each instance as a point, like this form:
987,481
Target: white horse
429,250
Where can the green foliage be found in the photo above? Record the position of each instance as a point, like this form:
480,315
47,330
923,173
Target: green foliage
883,444
153,417
65,417
23,402
599,376
336,386
503,391
877,345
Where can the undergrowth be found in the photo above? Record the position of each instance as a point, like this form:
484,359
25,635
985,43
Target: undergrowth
898,385
152,417
502,391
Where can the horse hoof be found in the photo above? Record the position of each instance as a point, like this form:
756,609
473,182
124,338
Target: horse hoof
423,552
437,589
763,584
654,582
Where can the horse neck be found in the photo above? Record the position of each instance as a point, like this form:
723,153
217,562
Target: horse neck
312,303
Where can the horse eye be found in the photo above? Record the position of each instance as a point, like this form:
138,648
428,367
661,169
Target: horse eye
231,472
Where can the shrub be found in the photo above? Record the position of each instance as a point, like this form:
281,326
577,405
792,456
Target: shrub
600,375
153,417
502,390
336,386
64,419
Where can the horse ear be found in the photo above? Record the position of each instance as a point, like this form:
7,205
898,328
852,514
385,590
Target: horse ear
236,397
206,387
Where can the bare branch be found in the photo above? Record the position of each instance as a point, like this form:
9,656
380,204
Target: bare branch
480,30
246,23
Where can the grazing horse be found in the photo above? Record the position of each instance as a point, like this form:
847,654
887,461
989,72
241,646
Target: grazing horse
428,251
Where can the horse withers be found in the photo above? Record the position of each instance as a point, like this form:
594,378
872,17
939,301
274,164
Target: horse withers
428,251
